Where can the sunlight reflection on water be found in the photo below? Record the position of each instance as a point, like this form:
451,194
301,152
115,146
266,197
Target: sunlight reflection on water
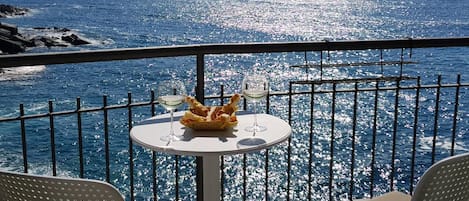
311,20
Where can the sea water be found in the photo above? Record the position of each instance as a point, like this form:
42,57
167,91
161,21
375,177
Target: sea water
145,23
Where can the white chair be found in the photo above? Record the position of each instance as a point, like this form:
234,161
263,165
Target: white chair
27,187
446,180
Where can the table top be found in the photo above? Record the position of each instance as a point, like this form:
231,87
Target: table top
203,143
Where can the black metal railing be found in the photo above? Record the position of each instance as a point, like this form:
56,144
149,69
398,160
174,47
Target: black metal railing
363,102
374,87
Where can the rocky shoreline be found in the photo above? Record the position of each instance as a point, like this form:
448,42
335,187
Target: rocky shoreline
13,42
9,11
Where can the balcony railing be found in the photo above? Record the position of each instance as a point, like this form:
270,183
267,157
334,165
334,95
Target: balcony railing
353,137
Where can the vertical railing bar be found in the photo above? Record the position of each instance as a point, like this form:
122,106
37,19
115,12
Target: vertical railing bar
410,47
222,92
455,115
373,143
290,101
245,104
200,94
222,158
199,176
131,150
52,139
267,103
435,125
23,140
306,64
354,130
80,138
200,87
176,168
311,134
266,178
176,175
244,177
401,64
331,161
320,66
153,153
152,101
414,143
394,134
266,156
381,63
106,138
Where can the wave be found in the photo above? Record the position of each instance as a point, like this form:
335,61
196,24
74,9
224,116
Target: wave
443,143
14,162
19,73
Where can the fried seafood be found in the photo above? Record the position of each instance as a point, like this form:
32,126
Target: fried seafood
200,117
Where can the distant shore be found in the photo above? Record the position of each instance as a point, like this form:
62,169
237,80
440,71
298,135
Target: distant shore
10,11
13,42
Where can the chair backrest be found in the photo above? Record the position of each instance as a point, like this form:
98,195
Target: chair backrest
27,187
447,179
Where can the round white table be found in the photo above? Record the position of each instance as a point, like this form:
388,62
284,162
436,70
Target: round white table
210,145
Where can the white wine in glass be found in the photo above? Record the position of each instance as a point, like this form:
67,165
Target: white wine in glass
255,88
171,102
254,95
171,94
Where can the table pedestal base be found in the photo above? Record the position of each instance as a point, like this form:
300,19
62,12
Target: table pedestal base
211,171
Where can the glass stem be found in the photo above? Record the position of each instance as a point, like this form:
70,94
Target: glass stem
255,115
171,130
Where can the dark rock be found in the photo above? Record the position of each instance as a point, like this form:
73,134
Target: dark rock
74,40
25,41
4,32
37,42
12,28
55,29
10,46
7,10
47,41
13,42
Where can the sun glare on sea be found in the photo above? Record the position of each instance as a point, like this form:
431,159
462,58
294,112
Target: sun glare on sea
310,19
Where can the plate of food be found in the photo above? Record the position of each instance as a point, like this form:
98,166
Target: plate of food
201,117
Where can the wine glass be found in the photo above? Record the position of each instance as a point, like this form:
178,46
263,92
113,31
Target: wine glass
171,94
255,88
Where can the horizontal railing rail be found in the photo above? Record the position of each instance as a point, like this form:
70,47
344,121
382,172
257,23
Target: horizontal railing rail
205,49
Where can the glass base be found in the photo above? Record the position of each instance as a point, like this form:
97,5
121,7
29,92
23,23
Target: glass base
170,138
256,128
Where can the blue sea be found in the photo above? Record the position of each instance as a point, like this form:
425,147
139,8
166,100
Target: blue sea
147,23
